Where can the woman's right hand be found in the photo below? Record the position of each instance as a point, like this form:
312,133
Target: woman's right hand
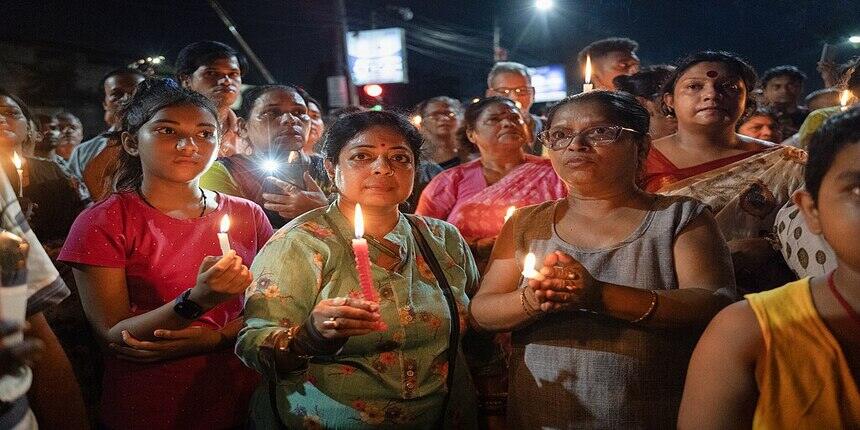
343,317
219,279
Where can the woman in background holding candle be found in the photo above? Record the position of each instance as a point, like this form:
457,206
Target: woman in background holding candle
167,310
474,196
603,341
308,327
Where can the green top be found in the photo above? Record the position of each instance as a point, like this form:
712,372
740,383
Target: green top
219,179
388,379
813,122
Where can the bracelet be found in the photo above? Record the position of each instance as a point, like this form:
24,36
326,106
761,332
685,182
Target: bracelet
526,307
650,310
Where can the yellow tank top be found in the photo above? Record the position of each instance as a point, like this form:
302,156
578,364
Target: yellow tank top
803,377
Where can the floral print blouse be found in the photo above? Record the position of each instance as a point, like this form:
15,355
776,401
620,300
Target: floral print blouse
384,379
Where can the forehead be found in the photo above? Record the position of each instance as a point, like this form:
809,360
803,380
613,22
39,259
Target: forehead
782,80
619,56
67,117
379,136
123,80
498,109
438,106
760,119
279,97
510,80
709,70
6,101
581,115
229,63
845,161
185,112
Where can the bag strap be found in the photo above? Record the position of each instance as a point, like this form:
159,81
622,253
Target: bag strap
454,339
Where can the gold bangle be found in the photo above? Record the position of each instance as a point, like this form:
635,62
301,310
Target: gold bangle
526,307
650,310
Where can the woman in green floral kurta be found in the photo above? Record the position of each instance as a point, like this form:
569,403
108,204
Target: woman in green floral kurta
353,372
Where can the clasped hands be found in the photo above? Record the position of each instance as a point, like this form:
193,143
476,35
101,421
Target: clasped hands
566,284
293,201
219,279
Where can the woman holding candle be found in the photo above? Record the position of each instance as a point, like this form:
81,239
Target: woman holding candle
309,326
166,309
789,357
50,198
744,180
475,195
627,280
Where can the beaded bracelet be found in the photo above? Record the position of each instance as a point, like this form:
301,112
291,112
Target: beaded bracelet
526,307
650,310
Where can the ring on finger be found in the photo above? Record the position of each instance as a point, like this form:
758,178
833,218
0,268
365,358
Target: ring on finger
330,323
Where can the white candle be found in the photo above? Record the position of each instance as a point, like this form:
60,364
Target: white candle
587,86
529,271
843,99
223,240
16,160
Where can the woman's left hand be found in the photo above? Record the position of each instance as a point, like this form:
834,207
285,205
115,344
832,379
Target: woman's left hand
567,283
292,201
172,344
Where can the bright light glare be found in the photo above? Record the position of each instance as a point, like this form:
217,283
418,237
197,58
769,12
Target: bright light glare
543,4
854,39
270,166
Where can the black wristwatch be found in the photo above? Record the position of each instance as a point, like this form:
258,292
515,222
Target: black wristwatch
187,308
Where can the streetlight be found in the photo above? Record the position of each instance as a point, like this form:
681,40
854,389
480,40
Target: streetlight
854,39
543,4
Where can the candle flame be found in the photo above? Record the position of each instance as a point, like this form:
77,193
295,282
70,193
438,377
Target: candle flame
509,213
416,120
16,160
359,222
225,223
588,69
529,263
843,99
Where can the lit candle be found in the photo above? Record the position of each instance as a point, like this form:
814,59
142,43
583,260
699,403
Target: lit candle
843,99
529,271
223,240
16,160
510,213
362,258
416,120
587,86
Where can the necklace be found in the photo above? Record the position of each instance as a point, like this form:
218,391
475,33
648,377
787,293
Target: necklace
202,200
845,305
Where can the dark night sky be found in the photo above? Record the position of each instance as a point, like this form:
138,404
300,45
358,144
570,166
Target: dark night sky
293,37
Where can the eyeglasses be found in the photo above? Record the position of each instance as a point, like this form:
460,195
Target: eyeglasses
514,92
277,114
601,135
439,116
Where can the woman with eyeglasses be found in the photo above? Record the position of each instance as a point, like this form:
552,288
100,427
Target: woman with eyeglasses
744,180
440,120
475,196
602,337
274,123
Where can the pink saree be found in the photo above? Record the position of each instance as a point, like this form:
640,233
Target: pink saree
461,196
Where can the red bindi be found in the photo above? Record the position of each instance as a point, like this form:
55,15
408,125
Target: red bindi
712,74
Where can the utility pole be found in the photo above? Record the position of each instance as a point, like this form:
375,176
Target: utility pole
341,63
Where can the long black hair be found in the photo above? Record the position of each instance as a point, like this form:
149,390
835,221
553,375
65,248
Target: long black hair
151,96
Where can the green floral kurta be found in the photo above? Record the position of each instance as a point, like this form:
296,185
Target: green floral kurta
395,378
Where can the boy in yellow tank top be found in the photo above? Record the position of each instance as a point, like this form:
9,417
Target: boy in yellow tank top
789,358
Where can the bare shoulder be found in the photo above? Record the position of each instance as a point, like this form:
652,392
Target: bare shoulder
736,329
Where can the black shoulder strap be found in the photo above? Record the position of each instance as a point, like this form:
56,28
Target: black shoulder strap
454,339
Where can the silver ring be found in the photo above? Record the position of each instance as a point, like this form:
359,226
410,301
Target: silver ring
330,323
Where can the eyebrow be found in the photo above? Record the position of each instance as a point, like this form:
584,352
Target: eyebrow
170,121
851,175
398,146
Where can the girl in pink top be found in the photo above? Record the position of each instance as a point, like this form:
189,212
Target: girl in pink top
151,276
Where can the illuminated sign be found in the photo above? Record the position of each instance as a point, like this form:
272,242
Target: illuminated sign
549,83
377,56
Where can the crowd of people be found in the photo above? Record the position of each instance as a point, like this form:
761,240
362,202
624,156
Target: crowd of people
675,248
